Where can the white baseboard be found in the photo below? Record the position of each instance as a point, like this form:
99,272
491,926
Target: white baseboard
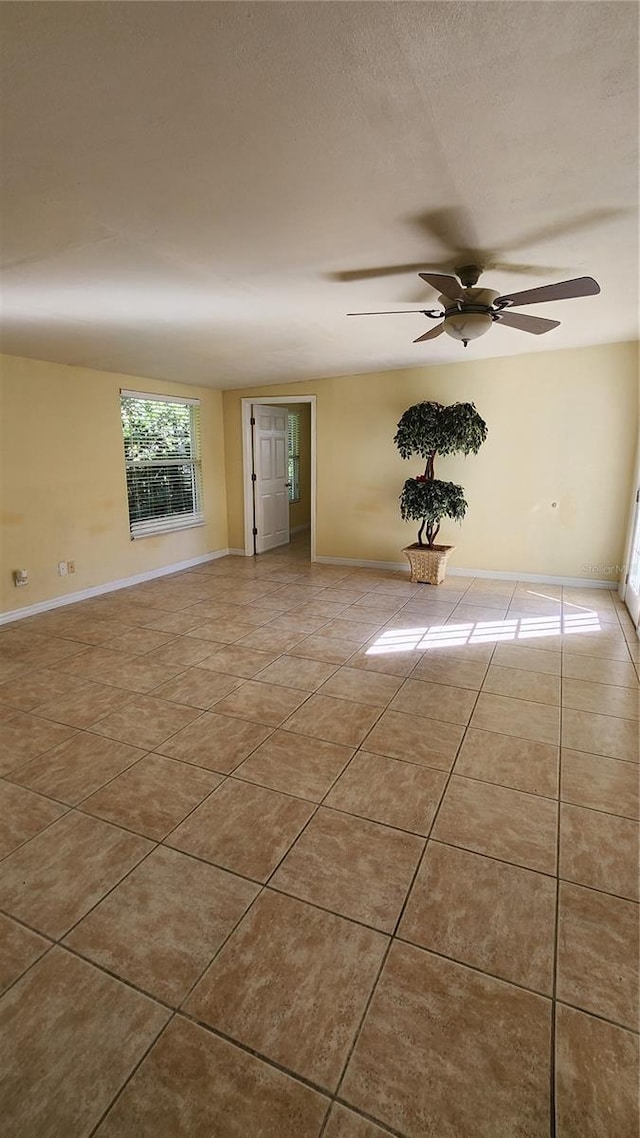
535,578
489,574
111,586
243,552
353,563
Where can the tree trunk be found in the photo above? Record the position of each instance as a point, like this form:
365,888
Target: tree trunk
430,532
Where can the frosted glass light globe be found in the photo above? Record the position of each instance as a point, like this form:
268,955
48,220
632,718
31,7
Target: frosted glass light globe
467,325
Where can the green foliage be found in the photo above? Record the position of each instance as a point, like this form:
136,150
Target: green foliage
430,428
428,501
155,430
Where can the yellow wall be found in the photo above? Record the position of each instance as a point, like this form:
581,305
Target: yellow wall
562,428
300,512
63,487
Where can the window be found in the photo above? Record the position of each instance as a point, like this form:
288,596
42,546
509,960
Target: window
162,459
293,456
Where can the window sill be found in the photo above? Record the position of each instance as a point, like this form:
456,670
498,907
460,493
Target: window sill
156,529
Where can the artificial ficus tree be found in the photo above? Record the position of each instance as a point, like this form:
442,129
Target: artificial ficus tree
429,429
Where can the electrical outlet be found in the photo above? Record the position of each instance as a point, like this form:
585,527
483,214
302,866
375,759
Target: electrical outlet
20,577
71,566
62,568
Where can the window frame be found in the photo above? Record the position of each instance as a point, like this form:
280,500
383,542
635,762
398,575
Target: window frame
167,523
293,458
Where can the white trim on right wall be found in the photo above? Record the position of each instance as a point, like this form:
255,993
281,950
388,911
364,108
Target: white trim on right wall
626,594
488,574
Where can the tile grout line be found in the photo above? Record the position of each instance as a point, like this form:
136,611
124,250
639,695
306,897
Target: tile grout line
58,941
132,1072
21,845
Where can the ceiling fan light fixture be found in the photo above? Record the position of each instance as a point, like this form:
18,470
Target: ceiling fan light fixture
467,326
469,312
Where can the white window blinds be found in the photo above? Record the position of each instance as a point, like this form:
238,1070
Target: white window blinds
162,460
293,457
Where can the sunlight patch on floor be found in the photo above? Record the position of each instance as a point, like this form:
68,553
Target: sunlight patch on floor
423,638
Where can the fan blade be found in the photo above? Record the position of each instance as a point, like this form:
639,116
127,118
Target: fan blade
526,323
395,312
379,271
563,228
564,290
491,266
431,334
448,286
453,228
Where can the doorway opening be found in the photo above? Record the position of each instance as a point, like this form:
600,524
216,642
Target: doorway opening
271,519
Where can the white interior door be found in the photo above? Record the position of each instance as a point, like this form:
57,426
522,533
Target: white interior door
632,585
270,488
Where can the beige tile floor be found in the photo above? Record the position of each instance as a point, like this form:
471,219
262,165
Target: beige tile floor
290,850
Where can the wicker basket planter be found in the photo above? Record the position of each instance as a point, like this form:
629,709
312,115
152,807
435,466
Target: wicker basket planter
428,566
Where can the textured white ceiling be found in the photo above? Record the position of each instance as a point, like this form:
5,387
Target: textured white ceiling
185,182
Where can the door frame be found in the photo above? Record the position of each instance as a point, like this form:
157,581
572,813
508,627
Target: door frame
247,463
633,524
624,589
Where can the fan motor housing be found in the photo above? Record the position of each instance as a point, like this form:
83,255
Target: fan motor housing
468,274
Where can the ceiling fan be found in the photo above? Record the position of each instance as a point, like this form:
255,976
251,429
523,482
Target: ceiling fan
468,312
